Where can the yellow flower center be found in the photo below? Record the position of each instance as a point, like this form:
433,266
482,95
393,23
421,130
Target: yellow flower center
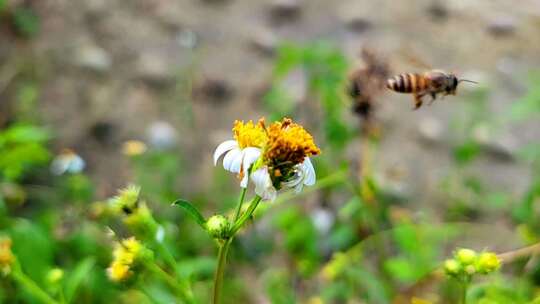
250,134
288,144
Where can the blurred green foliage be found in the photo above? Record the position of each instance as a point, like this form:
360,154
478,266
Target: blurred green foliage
374,248
325,70
22,148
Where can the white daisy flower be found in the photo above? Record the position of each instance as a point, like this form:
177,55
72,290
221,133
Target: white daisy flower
242,151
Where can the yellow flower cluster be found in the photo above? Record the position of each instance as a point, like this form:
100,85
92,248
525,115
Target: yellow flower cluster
288,143
6,256
124,256
467,262
250,134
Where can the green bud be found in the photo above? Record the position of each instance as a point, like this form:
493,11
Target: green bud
466,256
470,269
218,226
55,275
487,262
451,267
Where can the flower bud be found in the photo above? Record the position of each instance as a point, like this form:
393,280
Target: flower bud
470,269
126,200
466,256
55,275
487,262
218,226
451,267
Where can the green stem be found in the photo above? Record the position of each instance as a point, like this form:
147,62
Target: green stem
182,289
240,202
31,286
245,216
220,270
465,286
224,247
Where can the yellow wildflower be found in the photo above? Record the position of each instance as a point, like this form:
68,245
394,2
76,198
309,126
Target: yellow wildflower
6,256
125,254
133,147
118,272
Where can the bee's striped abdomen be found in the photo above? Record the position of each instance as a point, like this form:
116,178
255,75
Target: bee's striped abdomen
406,83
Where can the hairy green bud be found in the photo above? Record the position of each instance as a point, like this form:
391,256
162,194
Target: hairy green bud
218,227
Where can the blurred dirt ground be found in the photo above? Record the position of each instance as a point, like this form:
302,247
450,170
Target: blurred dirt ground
109,71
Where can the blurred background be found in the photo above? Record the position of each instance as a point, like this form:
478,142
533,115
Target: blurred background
96,95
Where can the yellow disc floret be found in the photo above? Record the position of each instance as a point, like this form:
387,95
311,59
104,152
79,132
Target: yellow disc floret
288,143
250,134
6,256
125,254
118,271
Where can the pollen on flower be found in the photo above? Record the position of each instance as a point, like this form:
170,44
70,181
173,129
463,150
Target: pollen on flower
250,134
288,143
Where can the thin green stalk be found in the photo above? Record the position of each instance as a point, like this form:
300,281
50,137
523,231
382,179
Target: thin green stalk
182,290
220,270
224,247
464,292
240,202
245,216
31,286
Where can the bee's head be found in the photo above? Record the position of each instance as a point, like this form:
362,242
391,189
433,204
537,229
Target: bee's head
453,82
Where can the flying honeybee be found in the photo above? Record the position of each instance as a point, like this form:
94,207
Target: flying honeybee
430,83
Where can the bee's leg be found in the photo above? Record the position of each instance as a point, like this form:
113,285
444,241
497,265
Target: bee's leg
417,100
433,97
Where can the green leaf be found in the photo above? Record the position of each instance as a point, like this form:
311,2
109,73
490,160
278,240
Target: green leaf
402,269
192,211
77,277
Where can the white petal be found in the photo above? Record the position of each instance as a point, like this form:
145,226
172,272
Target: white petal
76,164
233,160
263,184
251,155
296,180
299,188
309,172
59,165
224,147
